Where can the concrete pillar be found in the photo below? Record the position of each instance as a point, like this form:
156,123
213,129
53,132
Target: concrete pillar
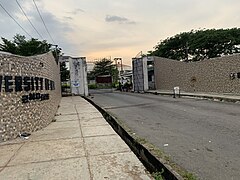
78,76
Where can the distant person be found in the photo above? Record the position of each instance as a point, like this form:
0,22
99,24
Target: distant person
120,86
126,86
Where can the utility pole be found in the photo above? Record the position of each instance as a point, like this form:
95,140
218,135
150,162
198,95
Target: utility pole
119,59
121,71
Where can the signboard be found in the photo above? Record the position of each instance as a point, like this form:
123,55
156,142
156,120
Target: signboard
75,84
9,84
104,79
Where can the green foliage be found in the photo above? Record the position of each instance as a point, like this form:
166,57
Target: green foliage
65,73
199,45
158,175
104,67
104,86
21,46
92,86
65,85
141,140
91,75
189,176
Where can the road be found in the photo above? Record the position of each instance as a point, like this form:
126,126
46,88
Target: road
202,136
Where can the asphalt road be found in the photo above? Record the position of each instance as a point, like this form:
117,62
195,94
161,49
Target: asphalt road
202,136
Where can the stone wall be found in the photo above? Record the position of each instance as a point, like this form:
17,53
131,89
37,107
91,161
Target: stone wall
218,75
29,93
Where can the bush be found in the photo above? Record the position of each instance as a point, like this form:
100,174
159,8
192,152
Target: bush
92,86
65,85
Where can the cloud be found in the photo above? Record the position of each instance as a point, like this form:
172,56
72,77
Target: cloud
68,17
120,20
59,28
76,11
79,10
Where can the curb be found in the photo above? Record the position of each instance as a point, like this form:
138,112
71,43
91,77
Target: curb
151,163
198,96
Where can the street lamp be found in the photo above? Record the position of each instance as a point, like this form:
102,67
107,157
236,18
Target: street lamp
119,59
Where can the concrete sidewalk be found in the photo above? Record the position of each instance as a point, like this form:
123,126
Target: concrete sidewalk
222,97
79,145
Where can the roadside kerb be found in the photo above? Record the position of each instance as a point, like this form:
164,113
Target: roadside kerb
152,163
220,97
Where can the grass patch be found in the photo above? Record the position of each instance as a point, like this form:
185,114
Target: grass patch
158,175
189,176
141,140
92,86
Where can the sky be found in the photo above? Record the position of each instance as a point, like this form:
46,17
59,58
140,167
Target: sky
115,28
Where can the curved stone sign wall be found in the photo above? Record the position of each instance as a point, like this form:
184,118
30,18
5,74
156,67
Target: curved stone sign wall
29,93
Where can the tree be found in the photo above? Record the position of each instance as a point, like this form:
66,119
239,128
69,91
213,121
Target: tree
21,46
65,73
199,45
104,67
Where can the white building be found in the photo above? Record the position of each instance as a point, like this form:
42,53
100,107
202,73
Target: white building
90,66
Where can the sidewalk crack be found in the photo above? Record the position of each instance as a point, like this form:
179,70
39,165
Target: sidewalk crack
84,146
14,155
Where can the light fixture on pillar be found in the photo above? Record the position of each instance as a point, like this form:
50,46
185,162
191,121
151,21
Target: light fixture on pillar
116,62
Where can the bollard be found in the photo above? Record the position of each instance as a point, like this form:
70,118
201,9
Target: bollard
176,92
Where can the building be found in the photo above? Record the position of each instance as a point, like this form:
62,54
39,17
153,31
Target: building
90,66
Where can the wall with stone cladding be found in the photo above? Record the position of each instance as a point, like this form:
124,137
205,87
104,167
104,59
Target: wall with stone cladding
204,76
15,115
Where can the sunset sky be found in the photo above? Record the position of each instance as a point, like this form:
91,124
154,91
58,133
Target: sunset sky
116,28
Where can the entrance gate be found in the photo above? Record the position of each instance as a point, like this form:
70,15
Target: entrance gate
78,76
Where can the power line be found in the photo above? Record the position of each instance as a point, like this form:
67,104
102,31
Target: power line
29,19
15,20
43,22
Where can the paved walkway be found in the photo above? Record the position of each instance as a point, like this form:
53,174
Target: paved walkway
79,145
226,96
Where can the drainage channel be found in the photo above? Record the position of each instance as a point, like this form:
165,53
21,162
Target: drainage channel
151,163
